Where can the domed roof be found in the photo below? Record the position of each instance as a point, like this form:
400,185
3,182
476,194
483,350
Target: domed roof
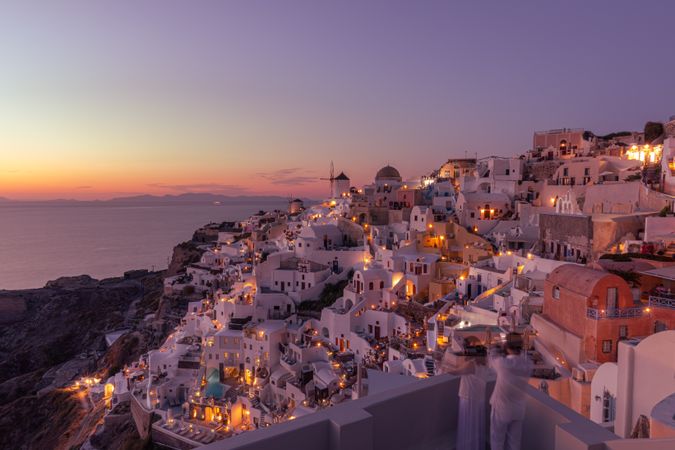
579,279
388,173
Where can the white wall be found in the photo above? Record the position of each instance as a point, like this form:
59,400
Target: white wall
646,376
605,379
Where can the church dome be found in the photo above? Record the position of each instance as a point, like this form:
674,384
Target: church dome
388,173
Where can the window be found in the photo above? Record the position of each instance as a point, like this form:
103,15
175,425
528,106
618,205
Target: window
370,286
587,171
608,407
507,171
381,284
623,332
607,346
611,298
556,292
566,172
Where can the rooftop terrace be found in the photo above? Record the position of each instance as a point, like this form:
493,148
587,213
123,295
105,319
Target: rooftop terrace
423,415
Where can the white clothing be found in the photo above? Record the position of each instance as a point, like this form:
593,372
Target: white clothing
505,435
472,415
508,400
508,397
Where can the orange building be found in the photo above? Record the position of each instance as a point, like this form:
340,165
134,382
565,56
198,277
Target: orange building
597,307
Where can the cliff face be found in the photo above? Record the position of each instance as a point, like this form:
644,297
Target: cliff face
52,335
184,254
59,335
65,318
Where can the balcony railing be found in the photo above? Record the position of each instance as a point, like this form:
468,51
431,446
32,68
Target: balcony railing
663,301
618,313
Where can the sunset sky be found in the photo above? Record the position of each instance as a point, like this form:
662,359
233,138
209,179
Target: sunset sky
102,99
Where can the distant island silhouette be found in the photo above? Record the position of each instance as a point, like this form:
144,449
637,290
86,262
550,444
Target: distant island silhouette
153,200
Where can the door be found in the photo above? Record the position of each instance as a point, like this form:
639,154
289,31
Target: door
611,299
377,332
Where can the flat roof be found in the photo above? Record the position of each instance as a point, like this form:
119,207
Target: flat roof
667,273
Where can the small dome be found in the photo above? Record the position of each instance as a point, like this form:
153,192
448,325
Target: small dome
388,173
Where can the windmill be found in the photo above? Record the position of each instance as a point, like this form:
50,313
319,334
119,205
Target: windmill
331,179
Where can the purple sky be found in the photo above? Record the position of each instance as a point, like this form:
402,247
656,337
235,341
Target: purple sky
127,96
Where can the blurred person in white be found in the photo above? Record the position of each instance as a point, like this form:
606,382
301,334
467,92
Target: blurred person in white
508,402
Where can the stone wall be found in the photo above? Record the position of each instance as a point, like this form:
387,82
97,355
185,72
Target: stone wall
575,230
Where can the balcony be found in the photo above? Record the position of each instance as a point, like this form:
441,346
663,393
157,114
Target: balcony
662,301
424,415
618,313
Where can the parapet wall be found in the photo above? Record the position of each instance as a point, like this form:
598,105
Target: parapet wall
421,415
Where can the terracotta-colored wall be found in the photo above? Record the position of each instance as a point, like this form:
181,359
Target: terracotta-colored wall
568,311
608,329
663,315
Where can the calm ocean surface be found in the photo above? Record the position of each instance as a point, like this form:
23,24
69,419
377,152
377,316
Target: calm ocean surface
42,243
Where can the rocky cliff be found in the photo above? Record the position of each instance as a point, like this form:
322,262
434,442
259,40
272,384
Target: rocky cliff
51,336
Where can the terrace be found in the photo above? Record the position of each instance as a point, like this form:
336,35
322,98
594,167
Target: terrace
424,415
663,300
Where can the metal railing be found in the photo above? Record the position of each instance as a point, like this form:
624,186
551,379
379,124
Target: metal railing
618,313
663,300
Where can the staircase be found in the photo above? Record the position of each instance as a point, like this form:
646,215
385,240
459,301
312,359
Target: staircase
430,364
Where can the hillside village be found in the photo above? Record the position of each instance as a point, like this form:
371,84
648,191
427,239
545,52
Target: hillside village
381,287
